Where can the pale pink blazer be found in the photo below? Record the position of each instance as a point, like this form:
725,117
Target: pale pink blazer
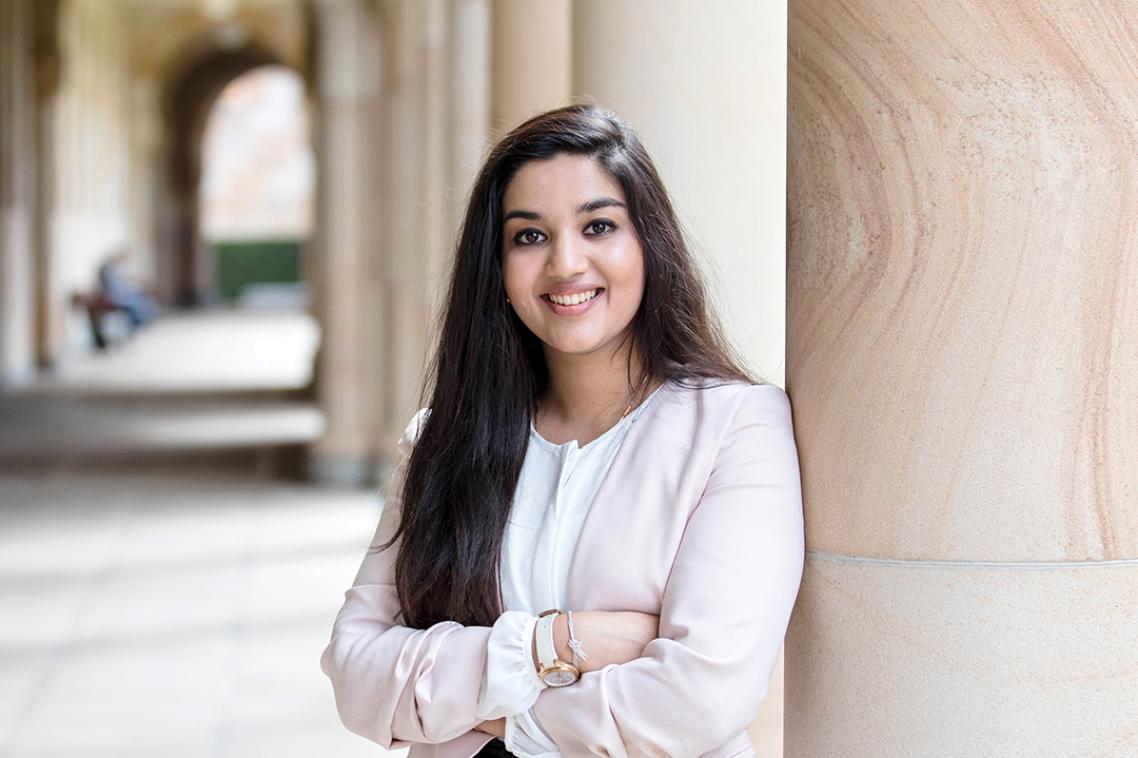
698,520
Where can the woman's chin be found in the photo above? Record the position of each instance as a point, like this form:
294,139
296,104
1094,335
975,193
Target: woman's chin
571,346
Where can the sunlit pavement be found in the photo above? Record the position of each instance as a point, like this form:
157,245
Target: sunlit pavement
215,350
157,600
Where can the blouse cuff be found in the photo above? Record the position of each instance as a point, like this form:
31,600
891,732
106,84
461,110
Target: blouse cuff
510,684
526,739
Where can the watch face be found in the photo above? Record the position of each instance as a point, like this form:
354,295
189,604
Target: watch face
559,678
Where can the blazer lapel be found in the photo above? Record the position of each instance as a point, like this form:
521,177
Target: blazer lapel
606,511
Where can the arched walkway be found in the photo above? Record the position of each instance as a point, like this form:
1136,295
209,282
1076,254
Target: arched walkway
183,270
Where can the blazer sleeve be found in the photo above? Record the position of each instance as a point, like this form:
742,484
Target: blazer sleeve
396,685
725,609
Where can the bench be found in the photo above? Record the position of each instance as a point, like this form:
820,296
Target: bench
97,306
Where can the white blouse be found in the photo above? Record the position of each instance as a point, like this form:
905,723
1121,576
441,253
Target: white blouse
555,489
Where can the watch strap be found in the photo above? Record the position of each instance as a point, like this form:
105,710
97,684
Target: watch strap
546,650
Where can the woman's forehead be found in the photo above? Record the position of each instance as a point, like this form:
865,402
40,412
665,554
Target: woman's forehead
562,184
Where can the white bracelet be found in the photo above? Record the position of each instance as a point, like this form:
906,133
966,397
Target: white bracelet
575,644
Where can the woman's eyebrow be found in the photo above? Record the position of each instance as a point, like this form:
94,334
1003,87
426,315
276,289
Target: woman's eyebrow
600,202
529,215
589,207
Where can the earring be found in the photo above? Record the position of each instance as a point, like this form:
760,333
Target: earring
507,299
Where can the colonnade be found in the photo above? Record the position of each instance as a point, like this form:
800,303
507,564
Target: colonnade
90,109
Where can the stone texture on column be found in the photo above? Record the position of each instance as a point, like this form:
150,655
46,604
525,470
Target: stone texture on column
963,259
433,96
435,117
48,62
469,100
403,271
416,241
348,87
706,91
17,282
530,59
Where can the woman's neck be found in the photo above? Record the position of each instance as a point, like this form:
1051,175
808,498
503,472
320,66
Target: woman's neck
589,393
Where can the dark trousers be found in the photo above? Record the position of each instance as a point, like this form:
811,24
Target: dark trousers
495,748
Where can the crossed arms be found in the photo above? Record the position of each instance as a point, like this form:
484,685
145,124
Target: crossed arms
724,612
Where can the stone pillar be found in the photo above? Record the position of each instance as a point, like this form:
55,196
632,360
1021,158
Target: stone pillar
963,364
530,66
469,100
435,115
401,276
48,72
17,195
416,240
346,134
706,92
433,97
145,177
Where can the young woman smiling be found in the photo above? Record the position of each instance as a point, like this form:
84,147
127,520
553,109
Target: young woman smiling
593,540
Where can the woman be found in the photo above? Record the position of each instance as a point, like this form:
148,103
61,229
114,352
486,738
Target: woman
590,447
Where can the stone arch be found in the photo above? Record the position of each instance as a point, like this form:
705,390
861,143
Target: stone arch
183,272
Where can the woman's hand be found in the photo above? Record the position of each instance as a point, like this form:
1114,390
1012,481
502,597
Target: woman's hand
497,727
606,637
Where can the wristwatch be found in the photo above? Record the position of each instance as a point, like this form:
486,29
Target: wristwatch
554,671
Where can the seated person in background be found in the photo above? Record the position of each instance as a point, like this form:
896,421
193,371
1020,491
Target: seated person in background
120,292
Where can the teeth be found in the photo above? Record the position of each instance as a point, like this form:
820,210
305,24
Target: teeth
580,297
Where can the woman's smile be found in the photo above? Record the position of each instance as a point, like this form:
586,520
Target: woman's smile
573,305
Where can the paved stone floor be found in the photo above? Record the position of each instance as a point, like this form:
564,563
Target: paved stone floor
171,601
222,350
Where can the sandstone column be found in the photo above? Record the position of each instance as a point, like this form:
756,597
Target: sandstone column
706,92
17,195
963,363
435,164
347,87
402,287
530,59
48,73
469,100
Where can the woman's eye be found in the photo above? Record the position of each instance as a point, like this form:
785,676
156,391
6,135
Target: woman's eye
599,227
528,237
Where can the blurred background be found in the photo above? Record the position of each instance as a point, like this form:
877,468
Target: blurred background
224,230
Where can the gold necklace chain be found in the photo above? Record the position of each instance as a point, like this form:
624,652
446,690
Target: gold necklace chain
643,383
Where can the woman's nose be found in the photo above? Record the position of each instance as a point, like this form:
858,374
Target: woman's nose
566,257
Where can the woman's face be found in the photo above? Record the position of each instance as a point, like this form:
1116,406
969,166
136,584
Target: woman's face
566,237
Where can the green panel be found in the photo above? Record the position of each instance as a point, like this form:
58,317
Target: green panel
255,262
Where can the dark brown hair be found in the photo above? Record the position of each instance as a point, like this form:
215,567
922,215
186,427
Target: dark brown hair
489,370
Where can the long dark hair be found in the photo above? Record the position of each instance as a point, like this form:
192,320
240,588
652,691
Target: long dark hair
489,369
